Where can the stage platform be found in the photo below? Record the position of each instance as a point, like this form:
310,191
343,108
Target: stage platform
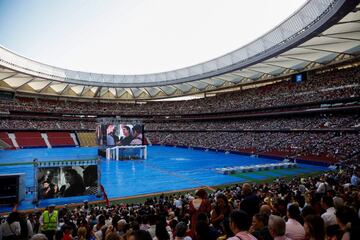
168,168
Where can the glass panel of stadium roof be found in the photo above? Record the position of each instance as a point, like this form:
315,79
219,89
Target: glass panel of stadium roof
310,35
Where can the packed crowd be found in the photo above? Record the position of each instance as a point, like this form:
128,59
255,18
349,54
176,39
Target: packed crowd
336,84
292,136
333,145
307,122
320,207
51,124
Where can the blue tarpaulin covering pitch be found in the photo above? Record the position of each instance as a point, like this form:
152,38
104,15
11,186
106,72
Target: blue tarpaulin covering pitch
166,169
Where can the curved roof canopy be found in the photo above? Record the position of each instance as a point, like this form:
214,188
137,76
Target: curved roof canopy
320,32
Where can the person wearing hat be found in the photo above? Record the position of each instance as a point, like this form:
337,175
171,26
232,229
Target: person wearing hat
49,222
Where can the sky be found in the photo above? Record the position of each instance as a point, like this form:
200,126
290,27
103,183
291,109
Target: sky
135,36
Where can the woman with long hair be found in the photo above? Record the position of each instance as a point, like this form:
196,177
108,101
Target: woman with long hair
199,205
220,215
348,222
314,228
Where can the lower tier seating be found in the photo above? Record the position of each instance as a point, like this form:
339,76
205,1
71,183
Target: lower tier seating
30,139
58,139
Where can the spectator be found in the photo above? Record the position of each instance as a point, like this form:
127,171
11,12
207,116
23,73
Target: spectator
348,222
294,229
259,227
314,228
199,205
277,228
11,229
180,232
240,224
220,214
250,202
329,217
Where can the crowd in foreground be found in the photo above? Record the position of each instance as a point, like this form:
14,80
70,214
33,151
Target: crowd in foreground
316,207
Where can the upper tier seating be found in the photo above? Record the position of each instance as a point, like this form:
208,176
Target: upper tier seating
319,87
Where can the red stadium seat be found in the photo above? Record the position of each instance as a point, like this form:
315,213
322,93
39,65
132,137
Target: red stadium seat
58,139
30,139
5,137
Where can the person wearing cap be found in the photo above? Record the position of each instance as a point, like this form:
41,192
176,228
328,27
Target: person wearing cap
49,222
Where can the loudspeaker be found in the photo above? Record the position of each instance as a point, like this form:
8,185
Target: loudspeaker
12,188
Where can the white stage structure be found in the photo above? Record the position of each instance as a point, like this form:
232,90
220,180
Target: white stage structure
254,168
132,152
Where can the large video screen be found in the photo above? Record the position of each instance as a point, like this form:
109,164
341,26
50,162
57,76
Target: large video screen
119,134
59,182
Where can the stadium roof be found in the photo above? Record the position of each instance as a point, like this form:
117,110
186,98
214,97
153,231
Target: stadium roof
319,33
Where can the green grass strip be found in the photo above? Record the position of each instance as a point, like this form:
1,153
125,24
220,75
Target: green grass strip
283,172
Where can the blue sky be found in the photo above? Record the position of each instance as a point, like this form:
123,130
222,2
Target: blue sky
134,36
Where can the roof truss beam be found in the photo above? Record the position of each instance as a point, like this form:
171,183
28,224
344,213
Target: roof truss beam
24,84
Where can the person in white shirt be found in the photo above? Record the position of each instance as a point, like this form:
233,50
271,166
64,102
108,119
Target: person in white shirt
152,228
323,186
11,228
294,229
178,203
329,217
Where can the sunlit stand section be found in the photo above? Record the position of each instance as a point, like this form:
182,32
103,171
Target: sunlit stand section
136,152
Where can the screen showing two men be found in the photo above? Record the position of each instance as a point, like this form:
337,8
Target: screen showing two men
122,134
58,182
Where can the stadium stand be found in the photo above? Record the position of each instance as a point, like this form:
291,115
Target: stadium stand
321,136
60,139
327,147
321,86
29,139
4,145
5,140
279,129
